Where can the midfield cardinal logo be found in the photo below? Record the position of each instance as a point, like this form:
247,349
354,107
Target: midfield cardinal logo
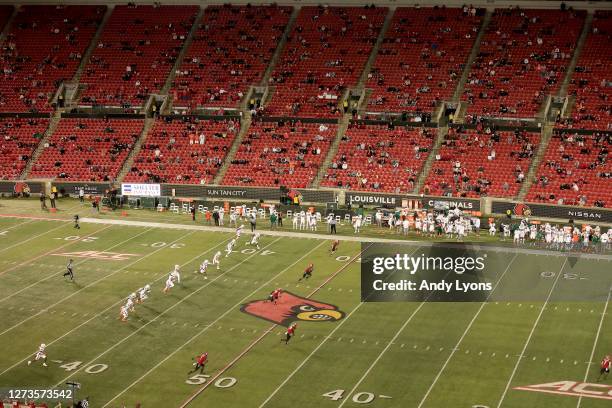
291,308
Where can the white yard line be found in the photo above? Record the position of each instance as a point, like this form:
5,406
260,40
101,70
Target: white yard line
166,311
603,316
91,284
114,305
34,236
54,274
212,323
299,367
535,324
44,254
467,329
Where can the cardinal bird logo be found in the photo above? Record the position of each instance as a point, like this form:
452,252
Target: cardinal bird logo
291,308
522,209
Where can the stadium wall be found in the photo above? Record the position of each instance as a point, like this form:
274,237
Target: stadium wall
484,206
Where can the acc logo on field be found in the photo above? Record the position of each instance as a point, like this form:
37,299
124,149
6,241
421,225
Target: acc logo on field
291,308
522,209
572,388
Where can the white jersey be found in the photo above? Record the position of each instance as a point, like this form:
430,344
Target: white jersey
143,293
175,275
217,258
230,247
255,239
129,304
204,266
124,312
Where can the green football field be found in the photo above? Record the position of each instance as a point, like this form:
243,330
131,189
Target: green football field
373,354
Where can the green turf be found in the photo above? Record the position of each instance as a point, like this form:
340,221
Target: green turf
442,354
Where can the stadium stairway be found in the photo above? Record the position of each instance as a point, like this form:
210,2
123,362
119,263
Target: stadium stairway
577,51
8,25
381,36
333,149
547,131
92,46
129,161
473,54
245,124
55,119
442,132
179,59
279,48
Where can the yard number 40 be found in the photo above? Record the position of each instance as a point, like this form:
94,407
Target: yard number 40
359,398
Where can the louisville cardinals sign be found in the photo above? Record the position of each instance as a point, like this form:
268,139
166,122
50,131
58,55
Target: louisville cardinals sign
290,308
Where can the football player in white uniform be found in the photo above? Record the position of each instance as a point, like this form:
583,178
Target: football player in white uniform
123,313
255,240
230,247
143,293
176,274
204,267
217,259
41,354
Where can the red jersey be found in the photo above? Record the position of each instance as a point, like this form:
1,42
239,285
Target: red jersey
605,363
202,359
276,294
291,330
309,269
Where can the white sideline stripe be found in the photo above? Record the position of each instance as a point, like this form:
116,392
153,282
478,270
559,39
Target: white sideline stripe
535,324
38,256
467,329
92,283
213,322
329,336
586,374
273,233
54,274
108,308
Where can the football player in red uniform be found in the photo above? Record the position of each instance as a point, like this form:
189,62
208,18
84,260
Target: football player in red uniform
307,272
199,364
273,297
605,368
289,333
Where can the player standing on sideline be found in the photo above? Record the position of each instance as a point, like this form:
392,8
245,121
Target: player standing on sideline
230,247
307,272
217,259
40,355
255,240
275,295
199,364
69,271
204,267
76,222
604,368
334,247
289,333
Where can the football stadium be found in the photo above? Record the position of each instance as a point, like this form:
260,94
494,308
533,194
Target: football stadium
392,204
